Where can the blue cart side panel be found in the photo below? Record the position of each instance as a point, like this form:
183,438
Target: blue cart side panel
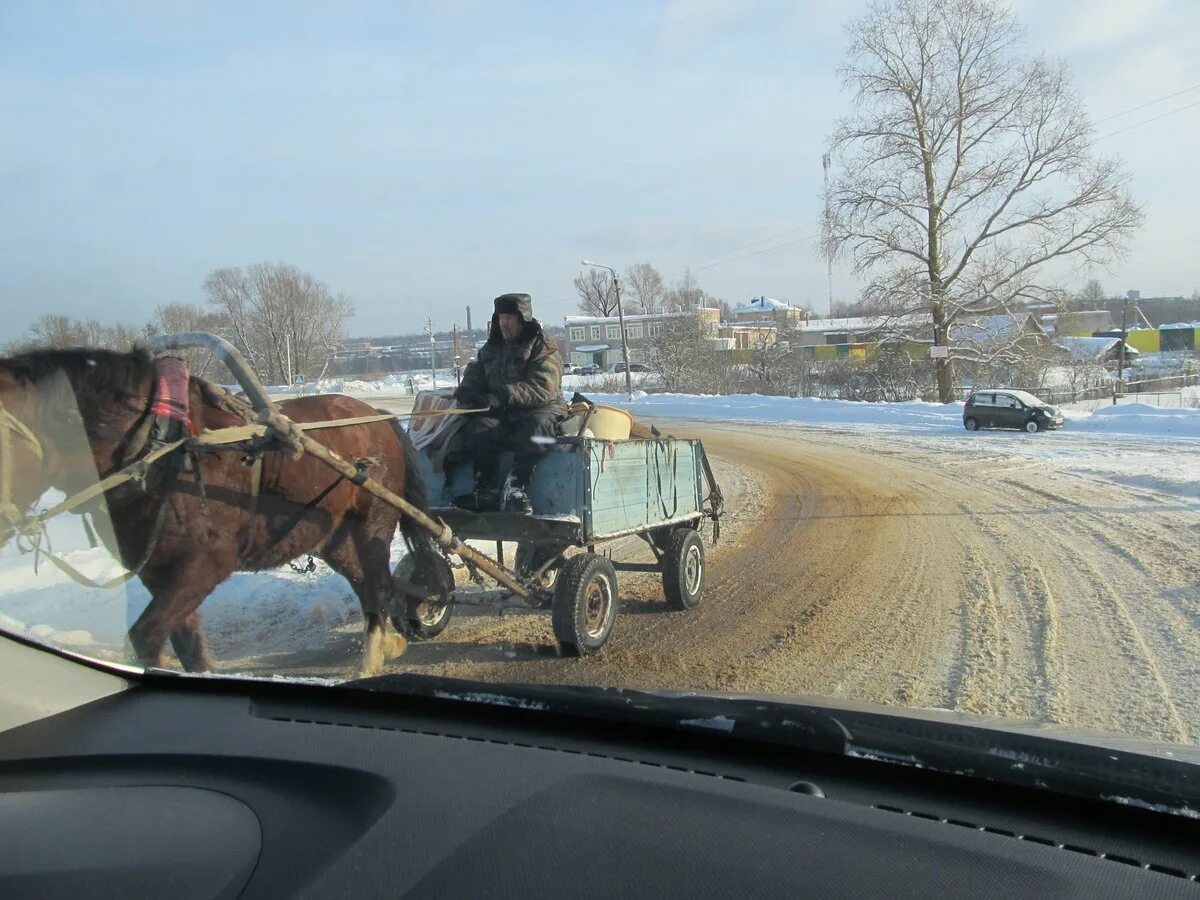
635,485
612,487
557,488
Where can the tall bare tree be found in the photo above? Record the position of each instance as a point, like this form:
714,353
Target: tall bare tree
965,167
645,288
277,312
596,294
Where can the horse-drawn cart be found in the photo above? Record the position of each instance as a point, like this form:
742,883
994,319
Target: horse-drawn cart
257,515
586,493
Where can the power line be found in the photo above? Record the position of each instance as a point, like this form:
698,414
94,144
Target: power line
1153,102
1146,121
714,260
720,259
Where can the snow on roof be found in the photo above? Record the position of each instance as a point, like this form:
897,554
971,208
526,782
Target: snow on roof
614,320
859,323
1000,327
764,304
1091,348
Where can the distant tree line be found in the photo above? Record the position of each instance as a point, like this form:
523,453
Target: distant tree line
643,291
283,320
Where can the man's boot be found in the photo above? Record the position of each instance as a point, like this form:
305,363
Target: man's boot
516,498
484,498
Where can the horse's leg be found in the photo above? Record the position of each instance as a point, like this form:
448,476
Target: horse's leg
364,560
191,646
177,590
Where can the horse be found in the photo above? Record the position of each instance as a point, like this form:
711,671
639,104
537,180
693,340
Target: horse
194,521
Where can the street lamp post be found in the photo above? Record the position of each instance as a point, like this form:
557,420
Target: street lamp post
621,319
432,352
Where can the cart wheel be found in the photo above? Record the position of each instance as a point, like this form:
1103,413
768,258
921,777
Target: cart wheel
585,604
683,569
426,619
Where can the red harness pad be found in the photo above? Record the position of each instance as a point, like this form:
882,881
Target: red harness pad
171,398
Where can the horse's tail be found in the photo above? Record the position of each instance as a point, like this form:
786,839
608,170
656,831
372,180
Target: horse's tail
419,541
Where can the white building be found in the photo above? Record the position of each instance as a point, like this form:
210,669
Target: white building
596,340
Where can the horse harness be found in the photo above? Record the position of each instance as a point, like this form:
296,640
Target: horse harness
252,437
11,426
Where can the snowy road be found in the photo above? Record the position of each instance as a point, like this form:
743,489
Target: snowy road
888,569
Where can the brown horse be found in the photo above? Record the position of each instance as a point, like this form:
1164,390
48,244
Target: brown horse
193,532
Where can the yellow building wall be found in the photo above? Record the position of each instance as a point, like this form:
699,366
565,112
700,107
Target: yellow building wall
1144,340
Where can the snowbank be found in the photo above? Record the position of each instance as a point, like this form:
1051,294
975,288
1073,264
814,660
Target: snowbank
912,416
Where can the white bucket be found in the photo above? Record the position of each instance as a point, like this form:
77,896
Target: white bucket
606,423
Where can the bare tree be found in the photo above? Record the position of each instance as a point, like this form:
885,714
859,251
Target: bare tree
964,167
172,318
646,288
596,294
277,312
1092,294
685,296
55,331
677,351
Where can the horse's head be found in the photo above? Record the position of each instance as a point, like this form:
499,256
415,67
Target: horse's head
65,416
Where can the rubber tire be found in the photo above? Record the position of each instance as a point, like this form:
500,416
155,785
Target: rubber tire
568,616
970,425
411,625
683,541
1032,427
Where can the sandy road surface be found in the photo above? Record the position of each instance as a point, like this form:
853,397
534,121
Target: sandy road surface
859,567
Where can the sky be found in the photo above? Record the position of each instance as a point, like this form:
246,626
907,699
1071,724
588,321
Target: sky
428,156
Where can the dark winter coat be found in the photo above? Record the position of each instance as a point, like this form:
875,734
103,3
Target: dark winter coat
524,374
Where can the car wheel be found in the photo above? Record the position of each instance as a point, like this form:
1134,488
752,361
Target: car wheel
1031,426
971,424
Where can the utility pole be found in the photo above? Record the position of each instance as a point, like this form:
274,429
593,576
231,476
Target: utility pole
432,354
1120,382
457,370
825,163
621,319
470,330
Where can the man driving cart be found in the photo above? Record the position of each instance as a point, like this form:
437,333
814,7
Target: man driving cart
517,377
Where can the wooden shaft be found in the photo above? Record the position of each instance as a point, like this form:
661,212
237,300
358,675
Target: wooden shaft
440,531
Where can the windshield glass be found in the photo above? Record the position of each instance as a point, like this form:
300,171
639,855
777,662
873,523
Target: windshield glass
1027,398
656,308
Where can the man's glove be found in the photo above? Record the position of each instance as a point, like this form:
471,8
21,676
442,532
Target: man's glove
491,401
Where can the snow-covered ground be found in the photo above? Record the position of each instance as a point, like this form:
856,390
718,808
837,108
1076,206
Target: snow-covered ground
401,383
1151,449
1134,444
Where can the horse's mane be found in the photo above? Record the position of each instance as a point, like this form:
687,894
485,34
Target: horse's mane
94,378
107,372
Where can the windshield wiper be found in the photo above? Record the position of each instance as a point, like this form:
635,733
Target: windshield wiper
1163,777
